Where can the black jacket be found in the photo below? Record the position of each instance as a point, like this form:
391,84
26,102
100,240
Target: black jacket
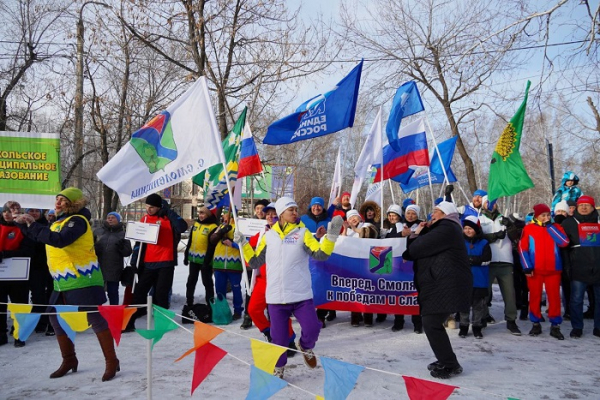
581,262
111,247
442,273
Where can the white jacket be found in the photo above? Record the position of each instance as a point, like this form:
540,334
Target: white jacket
501,248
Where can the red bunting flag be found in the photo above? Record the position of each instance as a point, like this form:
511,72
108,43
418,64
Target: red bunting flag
207,357
420,389
117,318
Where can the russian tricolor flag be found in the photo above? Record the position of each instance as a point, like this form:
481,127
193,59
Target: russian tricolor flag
249,160
412,142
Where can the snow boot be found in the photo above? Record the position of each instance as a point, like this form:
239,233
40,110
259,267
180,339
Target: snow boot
331,315
380,318
477,332
309,357
108,349
555,332
433,365
69,357
368,319
278,372
246,323
446,372
354,318
513,328
398,323
536,329
463,331
576,333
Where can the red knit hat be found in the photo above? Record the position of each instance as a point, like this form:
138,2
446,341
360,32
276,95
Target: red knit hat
539,209
586,200
346,194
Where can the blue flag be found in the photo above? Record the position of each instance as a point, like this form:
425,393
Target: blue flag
263,385
324,114
407,101
446,149
340,377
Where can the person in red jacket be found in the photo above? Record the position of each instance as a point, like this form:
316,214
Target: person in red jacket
540,257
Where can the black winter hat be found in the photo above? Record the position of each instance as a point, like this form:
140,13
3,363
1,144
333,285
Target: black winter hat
154,200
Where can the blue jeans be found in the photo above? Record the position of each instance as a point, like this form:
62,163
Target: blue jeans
577,293
235,278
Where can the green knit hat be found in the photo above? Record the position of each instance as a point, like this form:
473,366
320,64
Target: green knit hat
72,194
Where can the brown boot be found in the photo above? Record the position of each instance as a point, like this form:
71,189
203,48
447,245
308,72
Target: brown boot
108,349
69,362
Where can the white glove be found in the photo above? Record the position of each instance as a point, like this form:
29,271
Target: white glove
239,238
334,227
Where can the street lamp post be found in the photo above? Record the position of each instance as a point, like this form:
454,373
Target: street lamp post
78,132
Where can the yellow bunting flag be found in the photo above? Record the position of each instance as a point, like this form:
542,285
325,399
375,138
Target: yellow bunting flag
265,354
77,320
17,309
317,397
203,333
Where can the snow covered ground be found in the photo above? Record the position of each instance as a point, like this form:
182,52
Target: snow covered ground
498,366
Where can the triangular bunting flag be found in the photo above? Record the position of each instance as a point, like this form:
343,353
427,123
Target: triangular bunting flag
265,354
27,324
77,320
263,385
206,358
164,319
17,309
420,389
203,333
63,323
340,377
114,316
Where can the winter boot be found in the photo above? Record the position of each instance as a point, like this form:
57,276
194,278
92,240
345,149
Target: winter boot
576,333
398,323
368,319
331,315
354,319
464,329
267,333
555,332
433,365
596,332
418,326
108,349
309,357
19,343
278,372
446,372
246,323
536,329
477,332
50,330
380,318
513,328
69,357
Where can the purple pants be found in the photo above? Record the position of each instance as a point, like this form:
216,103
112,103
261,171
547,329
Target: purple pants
305,314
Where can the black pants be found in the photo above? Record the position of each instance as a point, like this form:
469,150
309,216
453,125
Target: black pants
18,292
41,285
433,325
249,273
206,272
161,279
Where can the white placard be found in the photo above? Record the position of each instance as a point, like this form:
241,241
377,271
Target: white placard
14,269
251,226
142,232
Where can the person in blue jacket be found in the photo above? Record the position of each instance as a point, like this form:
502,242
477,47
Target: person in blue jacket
480,255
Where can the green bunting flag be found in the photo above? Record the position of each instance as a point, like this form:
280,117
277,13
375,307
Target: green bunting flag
507,172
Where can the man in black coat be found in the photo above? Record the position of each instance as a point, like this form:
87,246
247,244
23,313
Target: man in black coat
443,280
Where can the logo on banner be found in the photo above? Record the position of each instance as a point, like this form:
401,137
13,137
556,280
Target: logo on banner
380,260
588,235
154,142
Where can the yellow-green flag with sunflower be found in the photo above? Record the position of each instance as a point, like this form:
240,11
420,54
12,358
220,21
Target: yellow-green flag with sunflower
507,172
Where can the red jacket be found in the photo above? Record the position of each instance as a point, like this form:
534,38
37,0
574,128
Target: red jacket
539,248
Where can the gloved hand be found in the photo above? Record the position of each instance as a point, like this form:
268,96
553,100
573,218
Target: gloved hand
163,212
334,227
500,234
226,229
449,189
505,221
239,237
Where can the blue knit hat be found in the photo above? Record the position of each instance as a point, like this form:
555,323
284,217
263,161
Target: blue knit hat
480,192
317,201
407,202
116,215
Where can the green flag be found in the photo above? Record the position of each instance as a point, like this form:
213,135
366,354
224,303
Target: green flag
212,180
507,172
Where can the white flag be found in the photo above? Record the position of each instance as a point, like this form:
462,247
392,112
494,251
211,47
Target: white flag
372,153
336,184
177,144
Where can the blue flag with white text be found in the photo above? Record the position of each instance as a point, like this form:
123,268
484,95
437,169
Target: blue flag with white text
407,101
321,115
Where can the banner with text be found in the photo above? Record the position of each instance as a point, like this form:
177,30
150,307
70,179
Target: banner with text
30,168
365,275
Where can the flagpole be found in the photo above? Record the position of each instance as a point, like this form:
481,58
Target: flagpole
436,149
382,181
392,192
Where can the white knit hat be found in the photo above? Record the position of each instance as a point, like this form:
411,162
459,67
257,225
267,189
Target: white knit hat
353,213
394,208
415,208
561,205
446,207
283,204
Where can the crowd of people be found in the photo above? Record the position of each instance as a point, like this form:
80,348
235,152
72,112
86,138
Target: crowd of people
457,254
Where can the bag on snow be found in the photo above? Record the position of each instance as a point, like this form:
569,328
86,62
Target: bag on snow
197,312
221,313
